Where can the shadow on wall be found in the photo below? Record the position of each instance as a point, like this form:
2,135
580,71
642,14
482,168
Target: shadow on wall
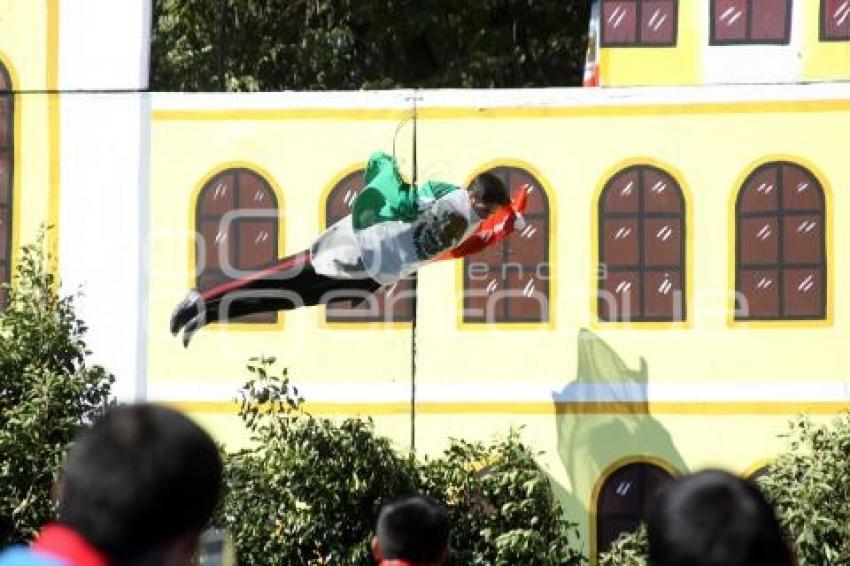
615,453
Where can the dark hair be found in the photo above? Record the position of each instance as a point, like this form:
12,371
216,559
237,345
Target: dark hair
415,529
713,518
492,189
139,478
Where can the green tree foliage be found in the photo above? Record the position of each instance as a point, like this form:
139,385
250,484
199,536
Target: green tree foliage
809,488
310,489
47,392
501,505
273,45
630,549
809,485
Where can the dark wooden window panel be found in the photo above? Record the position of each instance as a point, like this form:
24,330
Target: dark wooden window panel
624,500
639,23
393,303
7,171
745,22
516,270
642,247
835,20
780,245
248,242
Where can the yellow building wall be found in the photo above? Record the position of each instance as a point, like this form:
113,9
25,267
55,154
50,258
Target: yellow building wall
711,152
683,64
679,65
29,33
572,151
301,157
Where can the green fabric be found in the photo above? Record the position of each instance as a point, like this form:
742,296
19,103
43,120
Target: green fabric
436,189
386,195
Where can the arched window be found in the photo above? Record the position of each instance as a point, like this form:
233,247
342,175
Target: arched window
780,245
509,281
7,149
624,499
236,222
642,247
393,303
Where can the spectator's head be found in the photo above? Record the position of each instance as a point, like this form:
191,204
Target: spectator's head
140,485
713,518
488,193
414,530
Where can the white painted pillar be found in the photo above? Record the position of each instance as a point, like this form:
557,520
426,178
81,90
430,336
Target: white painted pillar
104,46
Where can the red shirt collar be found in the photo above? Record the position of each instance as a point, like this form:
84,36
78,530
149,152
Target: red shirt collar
396,562
63,543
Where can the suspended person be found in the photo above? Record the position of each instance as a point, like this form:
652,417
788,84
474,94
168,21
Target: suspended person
394,229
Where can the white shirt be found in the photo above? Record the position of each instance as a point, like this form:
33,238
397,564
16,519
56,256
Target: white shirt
393,250
389,251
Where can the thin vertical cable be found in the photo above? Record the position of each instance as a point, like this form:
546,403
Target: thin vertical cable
414,286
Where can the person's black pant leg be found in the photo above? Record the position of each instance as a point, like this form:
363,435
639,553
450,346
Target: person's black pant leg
289,283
